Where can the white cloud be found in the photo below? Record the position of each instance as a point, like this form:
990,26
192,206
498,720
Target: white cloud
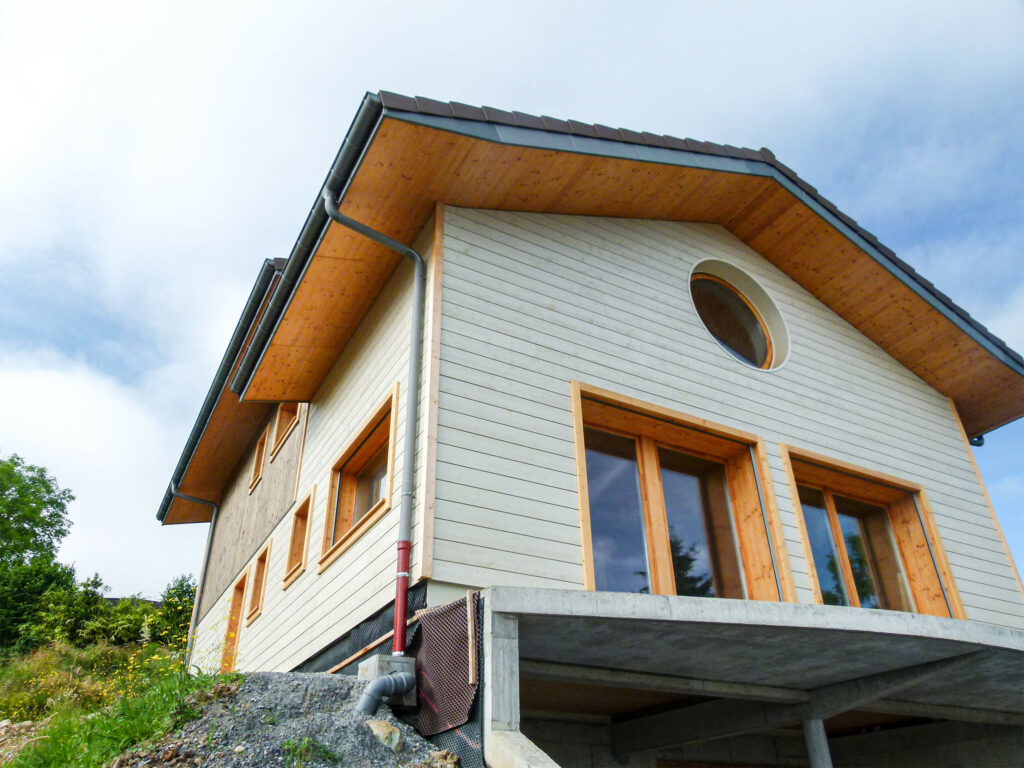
153,154
105,442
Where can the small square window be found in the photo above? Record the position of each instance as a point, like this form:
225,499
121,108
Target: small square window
258,459
360,487
284,422
299,543
869,538
259,583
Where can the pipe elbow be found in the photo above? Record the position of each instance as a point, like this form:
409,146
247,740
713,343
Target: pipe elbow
390,685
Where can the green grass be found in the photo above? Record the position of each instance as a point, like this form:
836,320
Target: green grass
119,699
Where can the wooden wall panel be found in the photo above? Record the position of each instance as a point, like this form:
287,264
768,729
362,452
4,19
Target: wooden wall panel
533,301
245,518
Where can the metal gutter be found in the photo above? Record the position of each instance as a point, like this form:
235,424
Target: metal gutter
412,401
748,162
249,313
346,163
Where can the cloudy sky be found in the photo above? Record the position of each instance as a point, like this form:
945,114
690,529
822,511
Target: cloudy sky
153,154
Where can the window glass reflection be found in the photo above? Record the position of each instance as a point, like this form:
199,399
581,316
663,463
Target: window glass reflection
616,513
823,547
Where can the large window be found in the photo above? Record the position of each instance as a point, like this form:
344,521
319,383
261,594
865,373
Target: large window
673,505
361,478
870,539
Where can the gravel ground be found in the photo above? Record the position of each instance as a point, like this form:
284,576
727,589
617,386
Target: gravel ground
291,720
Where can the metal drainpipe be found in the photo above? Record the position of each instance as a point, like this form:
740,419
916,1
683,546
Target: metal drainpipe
202,574
412,397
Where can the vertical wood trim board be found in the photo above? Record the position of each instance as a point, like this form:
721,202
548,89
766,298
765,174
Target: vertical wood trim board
988,499
433,383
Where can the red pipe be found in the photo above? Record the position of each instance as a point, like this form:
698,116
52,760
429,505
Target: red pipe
401,597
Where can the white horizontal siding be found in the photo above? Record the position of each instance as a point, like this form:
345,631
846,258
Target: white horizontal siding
532,301
317,608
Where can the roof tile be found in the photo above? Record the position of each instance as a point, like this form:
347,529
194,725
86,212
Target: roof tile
582,129
498,116
433,106
467,112
398,101
554,124
527,121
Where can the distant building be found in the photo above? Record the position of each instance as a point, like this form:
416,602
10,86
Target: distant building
682,420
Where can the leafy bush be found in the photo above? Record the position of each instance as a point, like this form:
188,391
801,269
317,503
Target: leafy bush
33,685
141,694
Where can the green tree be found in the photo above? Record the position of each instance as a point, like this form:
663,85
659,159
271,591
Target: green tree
22,586
33,520
33,512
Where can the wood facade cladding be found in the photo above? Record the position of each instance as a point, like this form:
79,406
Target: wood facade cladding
409,167
754,516
248,515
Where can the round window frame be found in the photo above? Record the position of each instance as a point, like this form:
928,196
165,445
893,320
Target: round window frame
756,298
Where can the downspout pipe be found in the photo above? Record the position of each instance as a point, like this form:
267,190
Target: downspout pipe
412,398
394,684
192,627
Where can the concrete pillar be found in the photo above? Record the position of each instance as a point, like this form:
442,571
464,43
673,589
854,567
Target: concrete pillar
817,744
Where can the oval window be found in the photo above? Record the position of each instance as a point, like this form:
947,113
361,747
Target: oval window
732,320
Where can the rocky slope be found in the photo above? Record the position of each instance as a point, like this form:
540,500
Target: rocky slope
291,720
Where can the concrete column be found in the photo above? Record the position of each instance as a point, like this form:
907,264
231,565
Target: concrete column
817,744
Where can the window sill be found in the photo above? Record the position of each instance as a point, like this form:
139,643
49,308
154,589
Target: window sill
352,535
293,574
254,483
253,615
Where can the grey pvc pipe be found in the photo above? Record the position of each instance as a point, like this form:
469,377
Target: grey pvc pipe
389,685
412,392
201,583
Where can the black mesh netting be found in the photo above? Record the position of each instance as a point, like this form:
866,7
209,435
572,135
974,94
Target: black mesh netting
361,636
465,740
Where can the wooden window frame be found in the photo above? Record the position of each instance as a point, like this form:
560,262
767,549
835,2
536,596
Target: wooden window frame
329,552
259,459
285,421
233,630
918,545
758,530
770,354
260,567
294,569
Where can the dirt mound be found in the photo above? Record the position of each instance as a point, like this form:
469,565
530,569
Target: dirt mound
292,720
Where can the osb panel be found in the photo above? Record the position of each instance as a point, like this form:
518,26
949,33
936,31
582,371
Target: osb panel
410,167
246,519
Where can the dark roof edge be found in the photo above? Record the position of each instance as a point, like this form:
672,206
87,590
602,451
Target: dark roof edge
668,150
264,280
346,163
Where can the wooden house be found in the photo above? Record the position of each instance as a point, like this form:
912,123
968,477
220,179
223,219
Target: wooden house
702,441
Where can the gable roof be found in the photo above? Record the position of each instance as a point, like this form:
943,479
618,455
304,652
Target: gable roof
402,156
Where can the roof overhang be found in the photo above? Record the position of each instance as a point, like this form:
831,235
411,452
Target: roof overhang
404,156
225,424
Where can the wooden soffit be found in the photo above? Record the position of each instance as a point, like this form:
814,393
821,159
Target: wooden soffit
411,165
